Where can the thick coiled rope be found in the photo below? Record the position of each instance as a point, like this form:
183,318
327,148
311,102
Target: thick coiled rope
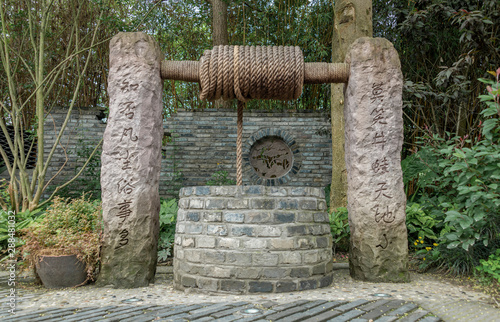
246,73
255,72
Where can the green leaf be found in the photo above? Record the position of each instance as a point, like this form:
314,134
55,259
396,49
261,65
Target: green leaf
465,221
473,161
467,243
453,244
488,126
478,216
451,236
452,215
459,154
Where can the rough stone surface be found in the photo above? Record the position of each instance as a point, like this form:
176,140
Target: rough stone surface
131,162
252,250
373,142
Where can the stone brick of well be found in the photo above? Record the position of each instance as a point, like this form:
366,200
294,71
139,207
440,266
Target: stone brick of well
252,239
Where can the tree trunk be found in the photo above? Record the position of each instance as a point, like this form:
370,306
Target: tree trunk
353,19
220,35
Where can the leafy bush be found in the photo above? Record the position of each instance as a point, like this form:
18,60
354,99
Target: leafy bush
459,187
339,226
168,218
68,227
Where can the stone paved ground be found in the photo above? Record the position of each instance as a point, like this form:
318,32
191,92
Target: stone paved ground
424,299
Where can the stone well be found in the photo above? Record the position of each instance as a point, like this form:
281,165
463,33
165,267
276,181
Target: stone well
251,239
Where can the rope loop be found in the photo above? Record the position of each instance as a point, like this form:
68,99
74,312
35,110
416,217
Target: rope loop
256,72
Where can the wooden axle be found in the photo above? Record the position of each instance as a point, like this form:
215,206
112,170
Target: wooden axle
314,73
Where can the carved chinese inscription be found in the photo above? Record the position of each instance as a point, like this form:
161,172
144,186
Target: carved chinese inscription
125,185
380,166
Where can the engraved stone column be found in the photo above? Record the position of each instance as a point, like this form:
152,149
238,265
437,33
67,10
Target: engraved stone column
373,142
131,162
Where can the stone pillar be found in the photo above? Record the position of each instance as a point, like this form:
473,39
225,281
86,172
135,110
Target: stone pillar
131,159
373,142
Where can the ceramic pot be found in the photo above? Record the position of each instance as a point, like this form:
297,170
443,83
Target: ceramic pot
61,271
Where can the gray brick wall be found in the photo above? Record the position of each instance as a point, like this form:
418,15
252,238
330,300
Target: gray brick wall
202,142
82,134
205,142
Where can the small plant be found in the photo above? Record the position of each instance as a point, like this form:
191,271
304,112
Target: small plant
339,226
68,227
490,269
419,224
168,219
220,178
22,220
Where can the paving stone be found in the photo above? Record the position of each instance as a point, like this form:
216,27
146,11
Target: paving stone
386,318
177,310
347,316
325,316
206,311
403,309
124,313
300,308
351,305
370,306
327,306
149,315
203,319
87,315
50,313
378,308
227,312
433,319
414,316
289,305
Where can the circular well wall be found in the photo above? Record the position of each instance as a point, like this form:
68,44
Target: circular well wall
252,239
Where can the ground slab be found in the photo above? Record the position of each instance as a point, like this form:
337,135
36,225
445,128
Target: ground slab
301,310
425,298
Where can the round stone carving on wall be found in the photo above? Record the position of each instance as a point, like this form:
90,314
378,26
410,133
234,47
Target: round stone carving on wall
272,157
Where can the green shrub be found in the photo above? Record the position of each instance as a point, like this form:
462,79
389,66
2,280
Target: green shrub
168,219
490,269
68,227
459,187
419,224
